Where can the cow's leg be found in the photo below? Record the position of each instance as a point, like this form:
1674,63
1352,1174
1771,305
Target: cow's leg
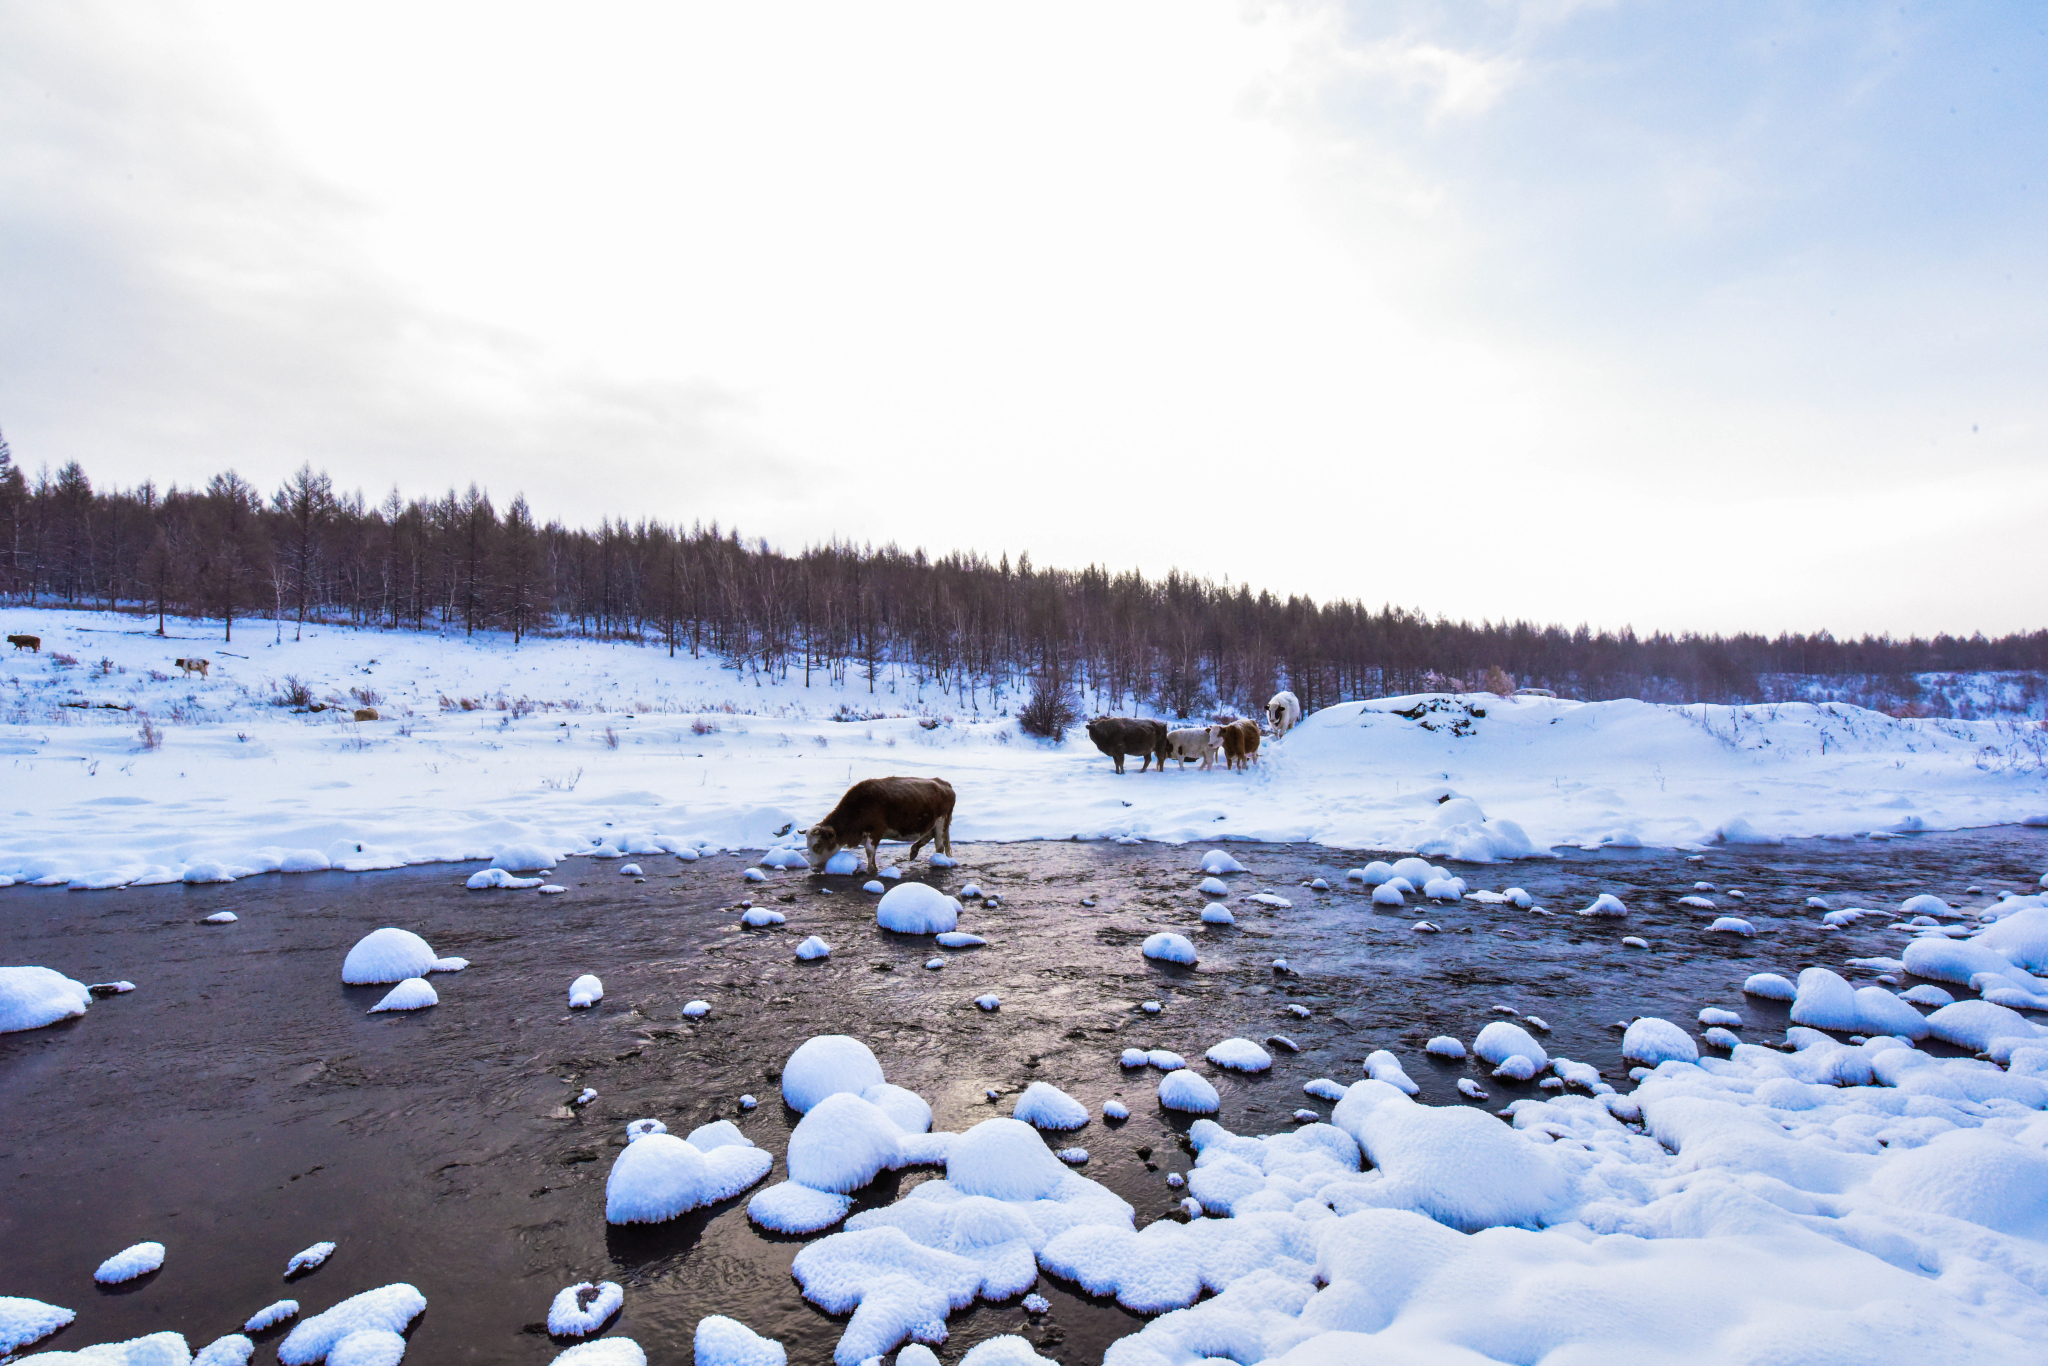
1119,762
874,869
916,845
946,835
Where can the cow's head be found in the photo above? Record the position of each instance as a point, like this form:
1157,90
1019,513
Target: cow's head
820,844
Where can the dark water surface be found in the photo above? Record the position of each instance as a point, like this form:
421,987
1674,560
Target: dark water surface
240,1105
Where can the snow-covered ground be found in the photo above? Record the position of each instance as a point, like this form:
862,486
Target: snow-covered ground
572,745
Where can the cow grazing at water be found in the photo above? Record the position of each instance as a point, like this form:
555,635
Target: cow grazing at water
1195,742
875,809
1241,743
194,666
1284,711
1121,736
34,643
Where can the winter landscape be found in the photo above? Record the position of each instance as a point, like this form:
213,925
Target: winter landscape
1031,897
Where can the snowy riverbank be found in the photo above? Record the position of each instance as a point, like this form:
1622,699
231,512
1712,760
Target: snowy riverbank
568,743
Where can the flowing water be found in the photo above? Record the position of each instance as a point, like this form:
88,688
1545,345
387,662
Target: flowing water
240,1105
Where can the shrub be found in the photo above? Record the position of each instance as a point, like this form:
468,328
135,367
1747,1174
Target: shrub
294,693
1499,682
1049,712
151,737
365,696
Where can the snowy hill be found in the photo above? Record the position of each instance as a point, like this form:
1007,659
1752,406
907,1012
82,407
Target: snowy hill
570,744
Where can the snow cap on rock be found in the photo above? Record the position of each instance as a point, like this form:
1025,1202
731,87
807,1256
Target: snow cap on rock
387,955
827,1065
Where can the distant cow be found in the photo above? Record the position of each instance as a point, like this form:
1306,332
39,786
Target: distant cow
1241,743
877,809
367,714
1195,742
1284,711
194,666
34,643
1119,736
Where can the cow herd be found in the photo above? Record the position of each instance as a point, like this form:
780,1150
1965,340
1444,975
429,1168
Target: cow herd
1130,737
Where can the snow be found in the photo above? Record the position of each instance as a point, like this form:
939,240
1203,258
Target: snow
1240,1055
813,948
1927,994
1383,1066
580,1310
1387,894
659,1176
630,870
789,1207
1168,947
1214,886
1501,1040
757,916
389,1308
755,875
414,993
585,992
387,955
960,939
1273,899
1216,913
843,861
498,877
220,918
721,1341
1344,777
368,1347
311,1258
1770,986
916,908
828,1065
1216,862
1115,1109
603,1352
24,1320
1607,905
874,887
1444,1046
1045,1106
1185,1091
155,1349
31,998
130,1262
1714,1015
232,1349
696,1010
989,1002
1652,1041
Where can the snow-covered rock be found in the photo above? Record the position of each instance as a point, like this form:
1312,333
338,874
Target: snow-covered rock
387,955
23,1321
582,1309
659,1176
137,1260
1168,947
828,1065
499,877
414,993
1651,1041
1045,1106
1187,1092
916,908
721,1341
1215,863
270,1315
1240,1055
813,948
1503,1039
585,992
389,1308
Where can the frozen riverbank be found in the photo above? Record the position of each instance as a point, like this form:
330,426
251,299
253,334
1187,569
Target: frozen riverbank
565,745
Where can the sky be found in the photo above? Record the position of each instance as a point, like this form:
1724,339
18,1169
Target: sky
1683,316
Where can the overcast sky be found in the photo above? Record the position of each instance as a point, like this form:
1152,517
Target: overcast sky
1685,316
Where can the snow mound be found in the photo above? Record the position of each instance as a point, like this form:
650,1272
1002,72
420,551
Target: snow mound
659,1176
1045,1106
813,948
1770,986
844,861
1824,1000
498,877
1167,947
137,1260
1606,905
757,916
524,858
873,887
960,939
1382,1065
603,1352
31,998
1444,1046
1240,1055
1651,1041
580,1310
1216,863
414,993
24,1320
989,1002
842,1144
785,858
1458,1166
1216,913
311,1258
1731,924
1388,893
389,1307
1213,886
828,1065
387,955
1502,1039
1185,1091
368,1347
585,992
1115,1109
916,908
220,918
270,1315
233,1349
721,1341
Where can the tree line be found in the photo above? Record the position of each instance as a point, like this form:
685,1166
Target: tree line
1109,640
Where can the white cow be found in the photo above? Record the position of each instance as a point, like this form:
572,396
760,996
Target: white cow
1195,742
1284,711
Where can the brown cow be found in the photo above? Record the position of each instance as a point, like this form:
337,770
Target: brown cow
1241,743
877,809
1118,736
194,666
34,643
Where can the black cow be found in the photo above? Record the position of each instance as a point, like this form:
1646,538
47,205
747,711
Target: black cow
1118,736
